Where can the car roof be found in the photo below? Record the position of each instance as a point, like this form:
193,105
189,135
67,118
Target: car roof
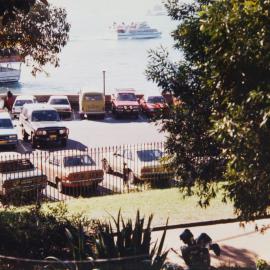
151,96
69,153
125,90
38,107
64,97
4,115
91,92
23,97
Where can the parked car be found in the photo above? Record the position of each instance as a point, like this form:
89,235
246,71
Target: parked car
62,105
73,170
19,102
8,133
153,105
142,164
124,102
41,124
91,103
19,174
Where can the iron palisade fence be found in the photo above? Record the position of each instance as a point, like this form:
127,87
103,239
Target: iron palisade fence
46,175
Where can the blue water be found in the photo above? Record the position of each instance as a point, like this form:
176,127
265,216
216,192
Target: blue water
89,50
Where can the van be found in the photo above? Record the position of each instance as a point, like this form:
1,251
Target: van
91,103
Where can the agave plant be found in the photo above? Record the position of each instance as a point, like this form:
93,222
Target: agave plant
127,244
127,240
130,240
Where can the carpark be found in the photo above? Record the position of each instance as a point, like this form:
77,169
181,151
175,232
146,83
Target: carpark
95,135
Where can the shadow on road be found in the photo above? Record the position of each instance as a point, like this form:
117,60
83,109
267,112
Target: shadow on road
243,257
26,147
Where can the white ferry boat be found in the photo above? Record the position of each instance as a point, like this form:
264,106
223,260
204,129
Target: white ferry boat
135,31
9,72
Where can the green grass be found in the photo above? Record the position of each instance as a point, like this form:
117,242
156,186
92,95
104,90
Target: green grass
162,203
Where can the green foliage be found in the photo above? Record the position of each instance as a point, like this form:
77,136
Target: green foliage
221,130
34,234
9,9
37,35
130,240
73,242
262,265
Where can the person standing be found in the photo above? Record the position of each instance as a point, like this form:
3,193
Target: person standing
9,101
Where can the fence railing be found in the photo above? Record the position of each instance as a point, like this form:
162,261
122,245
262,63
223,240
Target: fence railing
65,174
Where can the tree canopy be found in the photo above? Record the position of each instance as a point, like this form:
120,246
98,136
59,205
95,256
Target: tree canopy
37,34
9,8
219,137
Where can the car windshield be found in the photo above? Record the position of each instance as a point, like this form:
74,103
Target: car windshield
126,97
46,115
5,124
59,101
149,155
82,160
155,100
21,102
93,97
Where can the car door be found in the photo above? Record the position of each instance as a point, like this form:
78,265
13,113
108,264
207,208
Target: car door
117,162
25,120
53,169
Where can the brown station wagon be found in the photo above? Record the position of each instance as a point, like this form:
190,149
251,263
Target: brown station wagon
72,170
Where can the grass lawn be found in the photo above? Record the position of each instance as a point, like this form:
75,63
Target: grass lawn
162,203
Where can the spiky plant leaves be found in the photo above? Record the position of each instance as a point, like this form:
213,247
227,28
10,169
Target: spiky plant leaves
137,234
162,240
153,250
70,241
119,232
147,236
128,231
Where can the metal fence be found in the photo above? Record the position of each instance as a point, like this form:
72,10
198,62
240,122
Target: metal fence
65,174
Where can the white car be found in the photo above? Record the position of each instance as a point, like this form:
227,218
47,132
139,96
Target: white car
8,133
143,164
19,102
62,105
41,125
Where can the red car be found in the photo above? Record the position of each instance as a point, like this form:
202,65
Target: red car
125,103
153,105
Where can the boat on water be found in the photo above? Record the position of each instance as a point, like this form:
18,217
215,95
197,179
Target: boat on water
10,69
135,31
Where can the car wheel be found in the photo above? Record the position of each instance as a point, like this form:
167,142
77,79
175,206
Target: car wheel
64,143
34,142
94,186
25,136
106,167
14,146
59,186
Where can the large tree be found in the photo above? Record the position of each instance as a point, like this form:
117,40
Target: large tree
37,34
222,129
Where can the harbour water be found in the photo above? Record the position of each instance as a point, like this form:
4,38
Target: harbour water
90,50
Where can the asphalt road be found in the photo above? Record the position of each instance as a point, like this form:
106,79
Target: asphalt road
103,133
